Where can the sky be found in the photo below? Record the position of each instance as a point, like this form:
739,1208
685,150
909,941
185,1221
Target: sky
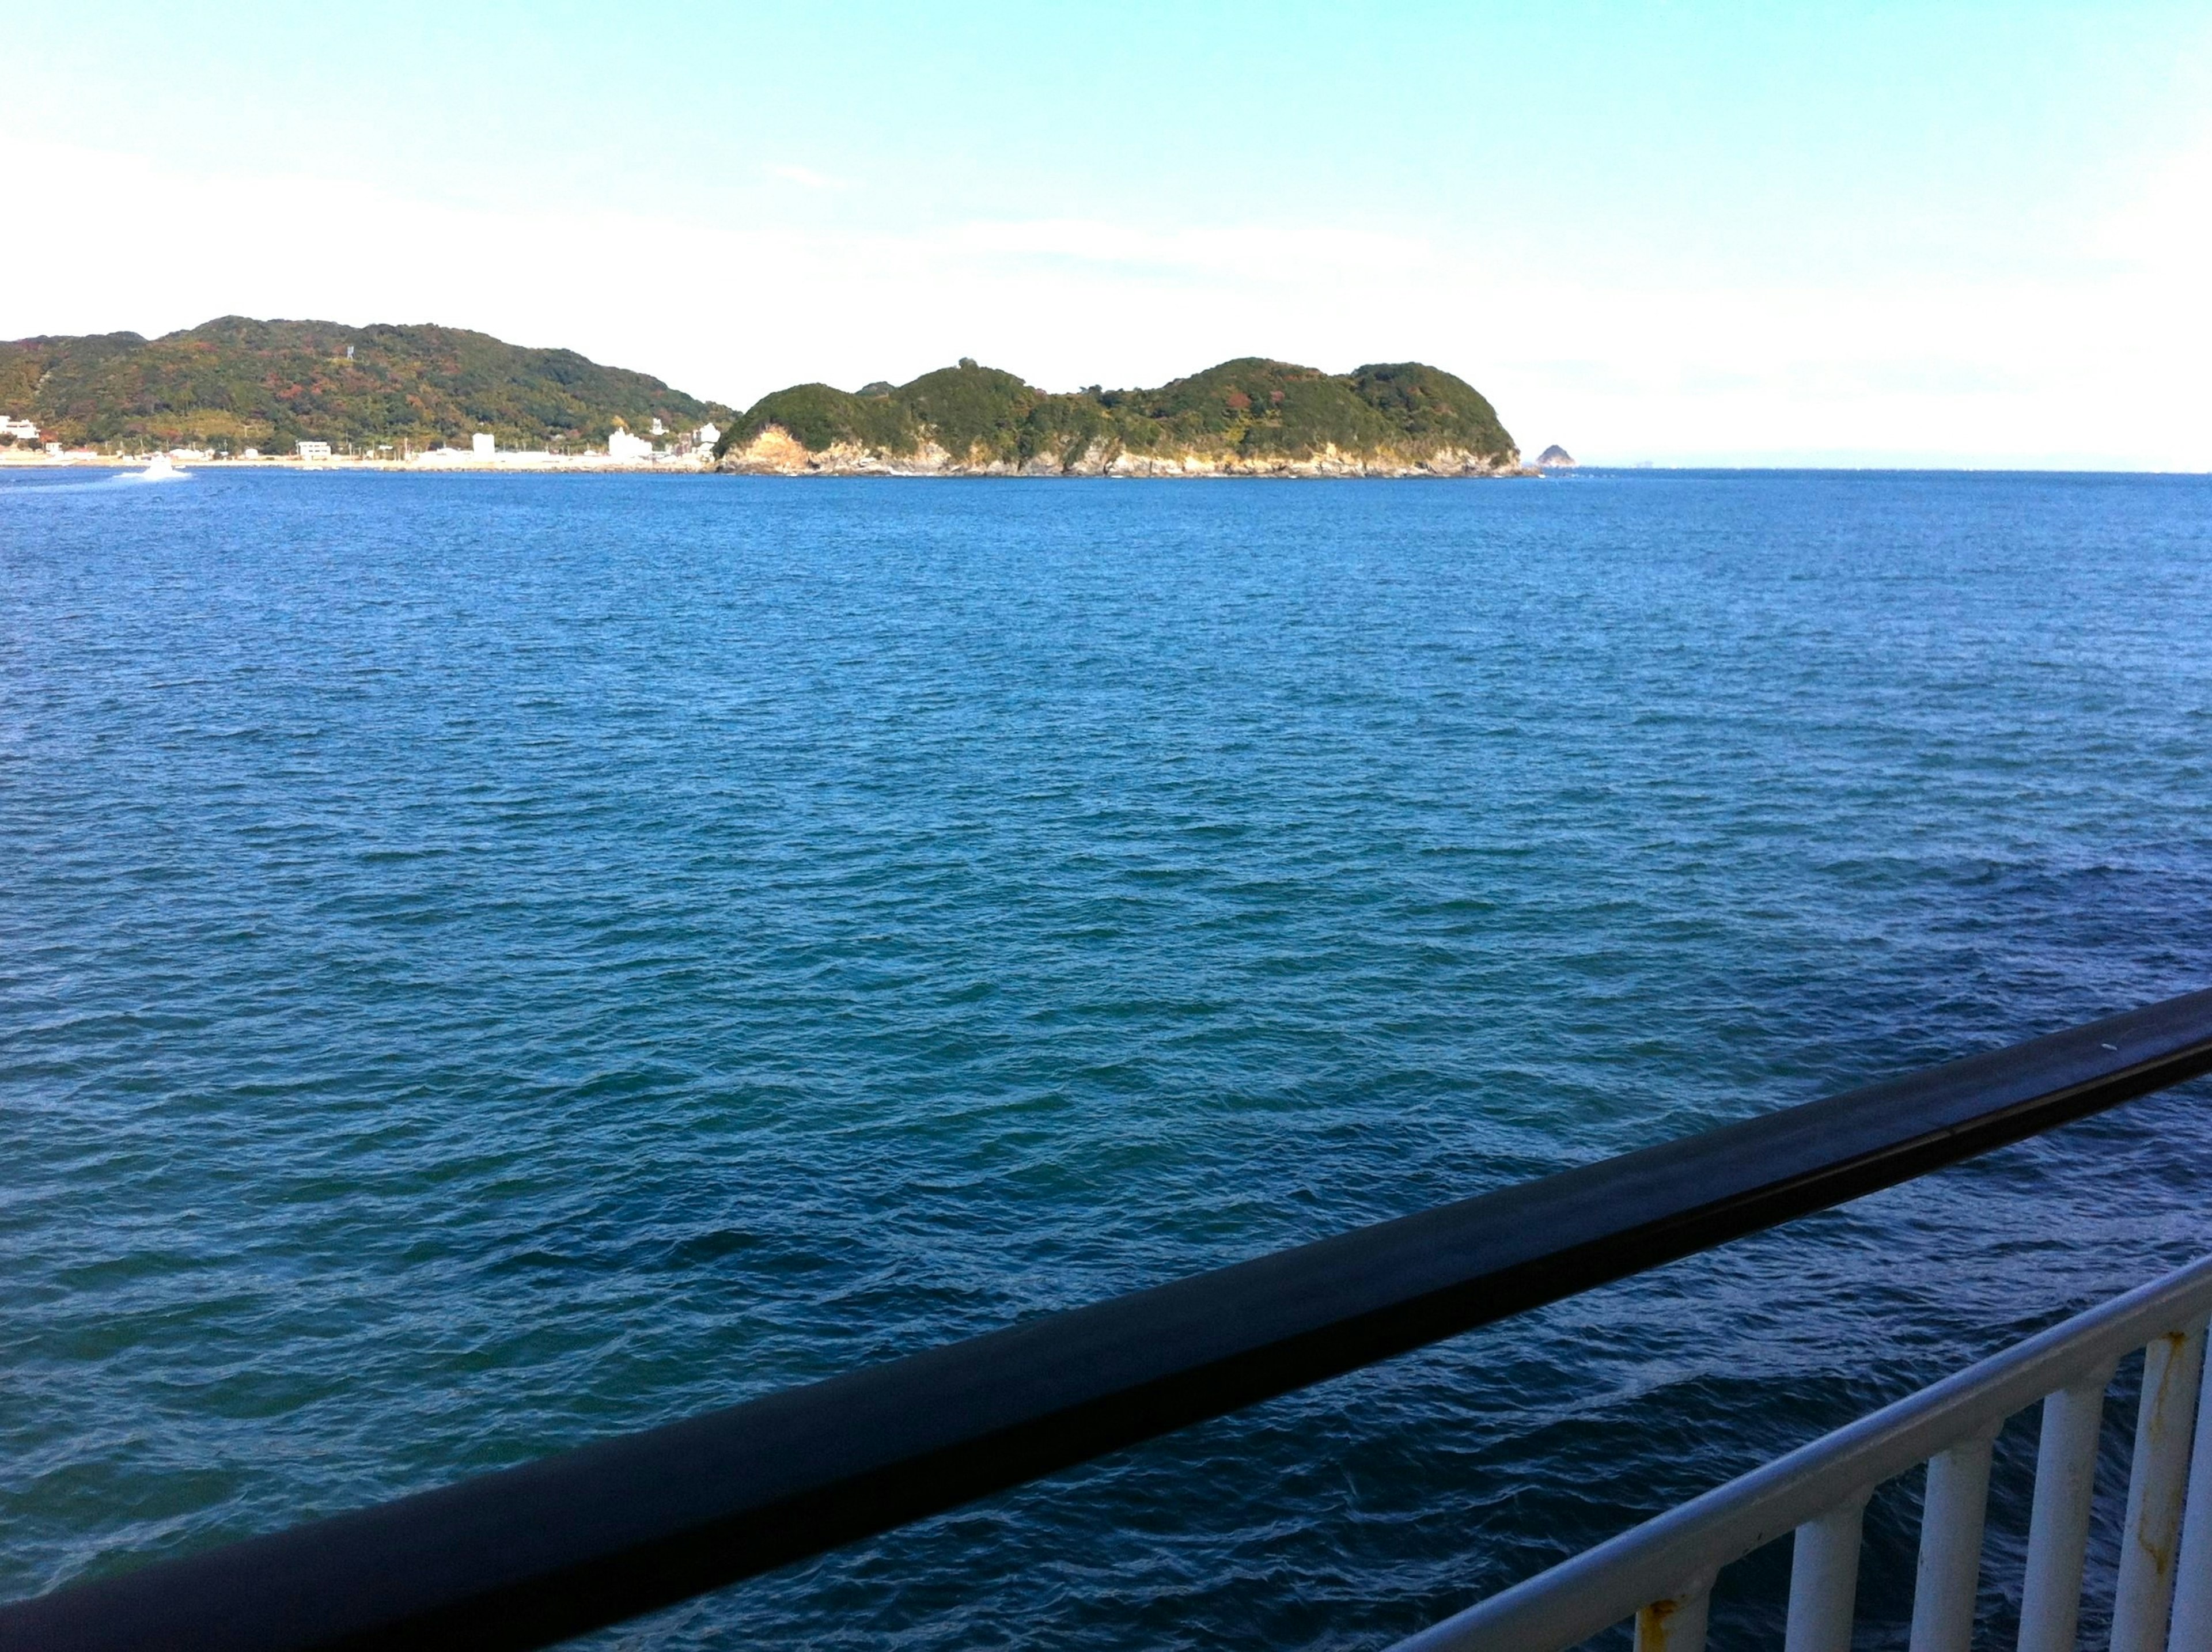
1674,233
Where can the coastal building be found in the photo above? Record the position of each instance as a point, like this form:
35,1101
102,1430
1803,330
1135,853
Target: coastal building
621,445
18,430
682,444
480,444
314,450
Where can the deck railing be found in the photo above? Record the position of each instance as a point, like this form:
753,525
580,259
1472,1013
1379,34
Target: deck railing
529,1556
1662,1573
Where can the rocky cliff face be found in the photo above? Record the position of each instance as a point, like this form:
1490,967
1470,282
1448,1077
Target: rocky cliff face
775,452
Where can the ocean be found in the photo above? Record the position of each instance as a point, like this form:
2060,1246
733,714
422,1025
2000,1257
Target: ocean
489,963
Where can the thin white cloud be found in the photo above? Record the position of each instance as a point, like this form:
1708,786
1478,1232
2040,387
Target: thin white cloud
806,178
1242,252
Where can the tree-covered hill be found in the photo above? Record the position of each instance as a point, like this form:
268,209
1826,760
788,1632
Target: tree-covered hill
1247,414
236,382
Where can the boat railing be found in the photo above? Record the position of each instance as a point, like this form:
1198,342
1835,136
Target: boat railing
529,1555
1662,1574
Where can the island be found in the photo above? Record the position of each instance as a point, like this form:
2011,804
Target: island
1246,417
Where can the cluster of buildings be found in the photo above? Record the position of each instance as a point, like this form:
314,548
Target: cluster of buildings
622,448
626,448
660,445
23,432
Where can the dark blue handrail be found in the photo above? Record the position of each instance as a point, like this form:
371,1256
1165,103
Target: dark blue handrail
533,1555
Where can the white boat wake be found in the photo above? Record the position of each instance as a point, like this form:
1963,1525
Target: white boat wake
158,469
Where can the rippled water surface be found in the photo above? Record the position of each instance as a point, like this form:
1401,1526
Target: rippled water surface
485,964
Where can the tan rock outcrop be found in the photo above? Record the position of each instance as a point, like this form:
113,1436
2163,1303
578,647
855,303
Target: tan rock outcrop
775,452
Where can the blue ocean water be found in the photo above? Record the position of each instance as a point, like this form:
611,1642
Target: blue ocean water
488,963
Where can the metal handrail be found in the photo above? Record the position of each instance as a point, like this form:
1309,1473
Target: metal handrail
528,1556
1669,1562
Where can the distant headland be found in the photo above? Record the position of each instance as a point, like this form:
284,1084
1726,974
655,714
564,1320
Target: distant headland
318,390
320,393
1246,417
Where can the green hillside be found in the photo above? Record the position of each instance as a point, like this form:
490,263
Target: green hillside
237,382
1251,411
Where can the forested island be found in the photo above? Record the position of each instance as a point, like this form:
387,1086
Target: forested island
1249,417
382,393
234,383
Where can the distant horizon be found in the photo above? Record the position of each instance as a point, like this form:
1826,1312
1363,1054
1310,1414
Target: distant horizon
1844,460
1970,234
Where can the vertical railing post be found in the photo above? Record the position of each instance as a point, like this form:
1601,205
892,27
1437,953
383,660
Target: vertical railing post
1951,1519
2192,1593
2059,1527
1678,1623
1824,1580
2144,1595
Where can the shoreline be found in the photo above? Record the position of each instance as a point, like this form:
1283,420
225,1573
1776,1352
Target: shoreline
599,465
775,452
515,464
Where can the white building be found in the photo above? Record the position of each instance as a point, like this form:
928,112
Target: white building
621,445
20,429
314,450
707,434
480,444
658,428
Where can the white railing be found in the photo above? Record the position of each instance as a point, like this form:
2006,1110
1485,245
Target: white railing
1662,1573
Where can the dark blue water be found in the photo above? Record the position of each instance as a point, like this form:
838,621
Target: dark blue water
489,963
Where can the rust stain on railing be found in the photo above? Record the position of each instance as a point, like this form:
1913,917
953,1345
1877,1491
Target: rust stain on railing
2162,1554
1656,1624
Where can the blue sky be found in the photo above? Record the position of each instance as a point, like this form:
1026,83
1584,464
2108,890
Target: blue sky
1677,231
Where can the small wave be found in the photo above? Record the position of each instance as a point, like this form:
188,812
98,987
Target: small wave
41,488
